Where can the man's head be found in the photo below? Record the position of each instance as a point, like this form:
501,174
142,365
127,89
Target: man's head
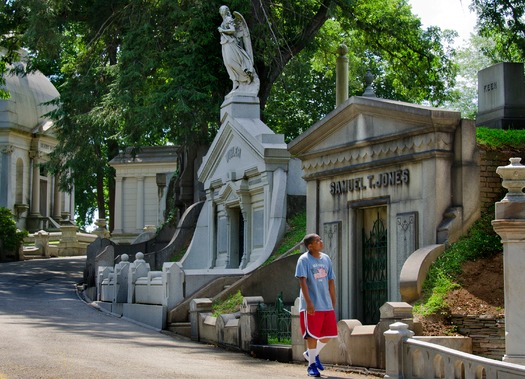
311,239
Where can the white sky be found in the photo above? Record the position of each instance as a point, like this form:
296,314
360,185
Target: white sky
447,14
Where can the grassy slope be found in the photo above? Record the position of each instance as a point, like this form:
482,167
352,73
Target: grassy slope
480,241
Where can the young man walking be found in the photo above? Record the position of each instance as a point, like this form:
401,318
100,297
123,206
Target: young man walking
316,279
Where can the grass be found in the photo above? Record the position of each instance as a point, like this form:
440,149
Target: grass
231,305
497,139
295,233
481,241
276,341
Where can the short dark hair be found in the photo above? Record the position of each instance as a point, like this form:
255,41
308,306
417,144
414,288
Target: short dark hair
309,238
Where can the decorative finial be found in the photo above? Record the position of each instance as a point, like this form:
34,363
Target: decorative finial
513,176
369,79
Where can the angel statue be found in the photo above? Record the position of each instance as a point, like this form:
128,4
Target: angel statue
237,52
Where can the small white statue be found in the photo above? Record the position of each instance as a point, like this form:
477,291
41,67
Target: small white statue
237,52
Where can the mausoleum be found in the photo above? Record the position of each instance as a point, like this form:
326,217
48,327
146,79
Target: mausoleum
384,179
142,181
247,176
26,139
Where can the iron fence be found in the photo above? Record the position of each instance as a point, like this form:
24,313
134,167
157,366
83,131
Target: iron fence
274,321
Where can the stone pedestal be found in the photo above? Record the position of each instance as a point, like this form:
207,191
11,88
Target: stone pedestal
509,223
248,322
101,230
69,245
239,105
394,338
42,243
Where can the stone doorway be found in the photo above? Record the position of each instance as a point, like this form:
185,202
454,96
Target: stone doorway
374,262
237,248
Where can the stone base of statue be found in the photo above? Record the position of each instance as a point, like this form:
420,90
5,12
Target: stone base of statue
241,105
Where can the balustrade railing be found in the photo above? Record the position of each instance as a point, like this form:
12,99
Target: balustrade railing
409,358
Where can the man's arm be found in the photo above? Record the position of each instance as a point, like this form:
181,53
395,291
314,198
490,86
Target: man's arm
331,289
310,308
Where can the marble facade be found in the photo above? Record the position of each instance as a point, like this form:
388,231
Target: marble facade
385,178
247,175
141,188
26,139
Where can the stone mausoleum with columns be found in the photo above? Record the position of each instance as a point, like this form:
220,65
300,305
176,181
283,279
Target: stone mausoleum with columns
26,139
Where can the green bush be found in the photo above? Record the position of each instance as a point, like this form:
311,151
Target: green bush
10,237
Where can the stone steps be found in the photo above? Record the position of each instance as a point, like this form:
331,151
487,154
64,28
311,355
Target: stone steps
180,328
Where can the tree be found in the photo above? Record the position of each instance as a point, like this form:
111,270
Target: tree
145,72
502,22
470,60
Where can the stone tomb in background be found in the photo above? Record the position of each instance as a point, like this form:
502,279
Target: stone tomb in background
501,96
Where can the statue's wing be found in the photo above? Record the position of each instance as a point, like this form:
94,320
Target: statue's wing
242,32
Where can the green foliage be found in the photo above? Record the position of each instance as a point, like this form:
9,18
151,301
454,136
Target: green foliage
502,22
409,64
137,73
295,233
470,60
498,139
10,237
231,305
481,241
279,341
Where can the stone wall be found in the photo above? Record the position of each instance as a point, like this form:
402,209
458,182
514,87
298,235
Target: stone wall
491,190
487,334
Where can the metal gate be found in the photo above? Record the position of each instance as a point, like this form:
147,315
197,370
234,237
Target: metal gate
375,282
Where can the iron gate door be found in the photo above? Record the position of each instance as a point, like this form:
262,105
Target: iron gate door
375,284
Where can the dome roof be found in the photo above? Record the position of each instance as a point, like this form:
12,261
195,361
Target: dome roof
24,108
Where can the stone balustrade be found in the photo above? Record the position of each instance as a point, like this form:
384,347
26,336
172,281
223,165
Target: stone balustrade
132,290
408,358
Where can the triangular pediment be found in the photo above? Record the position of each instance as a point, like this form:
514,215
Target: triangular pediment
241,145
362,120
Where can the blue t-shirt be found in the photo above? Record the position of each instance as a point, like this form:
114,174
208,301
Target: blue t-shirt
317,271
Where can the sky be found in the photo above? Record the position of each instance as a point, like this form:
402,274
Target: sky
447,14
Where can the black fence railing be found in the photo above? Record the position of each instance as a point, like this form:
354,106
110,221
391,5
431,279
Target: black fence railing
274,321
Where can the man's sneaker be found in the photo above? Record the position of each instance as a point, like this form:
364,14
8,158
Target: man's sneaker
312,370
317,360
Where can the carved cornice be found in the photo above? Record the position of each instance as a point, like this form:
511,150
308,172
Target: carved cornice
386,151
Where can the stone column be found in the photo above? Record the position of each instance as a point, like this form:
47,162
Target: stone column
212,232
35,194
5,164
246,211
341,79
394,339
391,312
509,223
118,205
198,306
57,199
248,322
140,203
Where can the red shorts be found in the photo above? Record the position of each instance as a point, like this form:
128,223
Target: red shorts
320,325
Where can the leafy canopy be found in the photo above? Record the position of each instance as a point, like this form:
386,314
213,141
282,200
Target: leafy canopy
137,73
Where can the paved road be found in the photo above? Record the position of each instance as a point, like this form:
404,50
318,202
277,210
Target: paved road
47,331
